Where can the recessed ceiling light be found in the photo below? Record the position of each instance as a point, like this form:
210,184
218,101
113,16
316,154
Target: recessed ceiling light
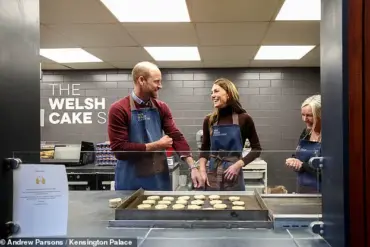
300,10
69,55
148,10
282,52
174,53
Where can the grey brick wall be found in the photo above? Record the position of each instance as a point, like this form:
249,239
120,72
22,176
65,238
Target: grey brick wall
271,96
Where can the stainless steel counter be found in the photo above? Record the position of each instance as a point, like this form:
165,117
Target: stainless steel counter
89,215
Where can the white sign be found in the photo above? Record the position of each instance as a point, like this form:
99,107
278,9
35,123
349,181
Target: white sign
75,110
40,200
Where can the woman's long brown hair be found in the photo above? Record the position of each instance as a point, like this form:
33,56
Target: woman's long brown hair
233,100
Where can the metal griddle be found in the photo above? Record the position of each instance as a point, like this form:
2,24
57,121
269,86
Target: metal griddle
255,214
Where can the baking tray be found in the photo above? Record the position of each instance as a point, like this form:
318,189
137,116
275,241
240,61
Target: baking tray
255,208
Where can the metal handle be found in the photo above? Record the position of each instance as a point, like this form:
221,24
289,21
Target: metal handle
317,162
11,163
317,227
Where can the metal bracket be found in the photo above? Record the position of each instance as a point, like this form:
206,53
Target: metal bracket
11,163
317,162
12,228
317,227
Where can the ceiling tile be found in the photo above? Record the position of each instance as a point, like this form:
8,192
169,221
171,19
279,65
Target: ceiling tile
74,11
52,39
125,64
233,10
247,33
226,63
52,66
89,65
312,59
178,64
121,54
96,35
238,53
162,34
293,33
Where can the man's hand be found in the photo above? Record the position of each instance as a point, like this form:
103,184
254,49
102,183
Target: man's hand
294,163
197,179
203,174
165,142
233,171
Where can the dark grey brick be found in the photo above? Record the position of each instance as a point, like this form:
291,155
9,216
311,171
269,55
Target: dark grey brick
117,77
172,84
202,91
107,92
241,83
208,84
248,91
204,76
259,83
172,92
125,84
52,78
182,77
270,76
194,84
186,106
185,98
196,113
94,85
270,91
248,76
282,83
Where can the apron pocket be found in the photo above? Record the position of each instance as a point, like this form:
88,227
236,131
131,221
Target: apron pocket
151,164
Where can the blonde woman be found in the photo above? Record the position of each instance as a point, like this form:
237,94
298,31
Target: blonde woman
224,134
309,146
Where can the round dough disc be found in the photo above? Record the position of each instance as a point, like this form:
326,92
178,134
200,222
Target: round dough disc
238,207
181,202
168,198
194,207
214,197
200,197
149,202
178,206
183,198
213,202
164,202
220,206
238,203
197,202
144,206
161,206
234,198
153,198
113,203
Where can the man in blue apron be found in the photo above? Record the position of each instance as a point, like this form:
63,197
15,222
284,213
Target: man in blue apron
135,127
226,149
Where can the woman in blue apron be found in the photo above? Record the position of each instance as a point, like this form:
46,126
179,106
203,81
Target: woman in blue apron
224,134
309,145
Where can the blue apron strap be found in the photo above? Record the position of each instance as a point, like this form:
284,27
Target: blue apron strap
235,122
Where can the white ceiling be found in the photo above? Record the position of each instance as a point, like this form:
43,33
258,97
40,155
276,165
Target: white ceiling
228,33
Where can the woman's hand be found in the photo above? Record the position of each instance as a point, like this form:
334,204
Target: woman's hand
294,163
233,171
